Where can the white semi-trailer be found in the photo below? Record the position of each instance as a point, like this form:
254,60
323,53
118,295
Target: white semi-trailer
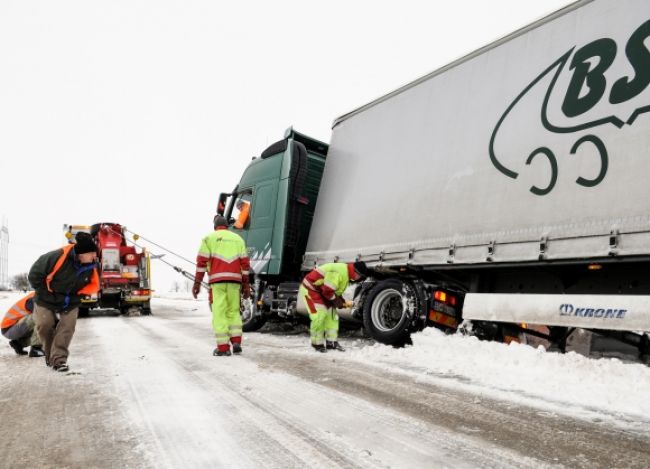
508,187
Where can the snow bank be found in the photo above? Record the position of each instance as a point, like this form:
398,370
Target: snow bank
568,383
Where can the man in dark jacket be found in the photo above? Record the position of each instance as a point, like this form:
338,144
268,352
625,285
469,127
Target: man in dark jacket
61,278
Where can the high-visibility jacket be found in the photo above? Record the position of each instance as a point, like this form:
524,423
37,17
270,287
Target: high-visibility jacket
19,310
60,281
223,257
330,280
242,218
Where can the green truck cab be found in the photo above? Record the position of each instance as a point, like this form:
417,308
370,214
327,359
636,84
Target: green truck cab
272,209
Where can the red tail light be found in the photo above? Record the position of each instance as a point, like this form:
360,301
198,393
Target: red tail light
444,297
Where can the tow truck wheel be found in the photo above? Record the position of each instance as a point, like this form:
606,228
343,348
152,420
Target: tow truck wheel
386,315
146,309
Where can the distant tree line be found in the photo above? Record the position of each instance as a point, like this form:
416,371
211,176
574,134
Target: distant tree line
20,282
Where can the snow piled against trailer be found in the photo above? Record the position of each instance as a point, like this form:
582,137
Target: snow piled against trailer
570,384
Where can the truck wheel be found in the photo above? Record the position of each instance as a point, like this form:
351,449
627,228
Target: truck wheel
83,312
386,315
250,321
146,309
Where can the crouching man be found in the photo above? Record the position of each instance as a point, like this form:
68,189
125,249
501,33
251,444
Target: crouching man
18,326
322,291
61,278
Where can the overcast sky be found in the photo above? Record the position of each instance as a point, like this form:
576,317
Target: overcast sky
142,112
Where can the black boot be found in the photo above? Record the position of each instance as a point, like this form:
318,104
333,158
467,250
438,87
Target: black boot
17,348
319,348
218,353
334,345
236,348
36,351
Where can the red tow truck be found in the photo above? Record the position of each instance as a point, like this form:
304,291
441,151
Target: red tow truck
124,271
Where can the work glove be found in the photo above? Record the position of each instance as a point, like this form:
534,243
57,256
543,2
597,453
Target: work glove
339,302
196,289
246,290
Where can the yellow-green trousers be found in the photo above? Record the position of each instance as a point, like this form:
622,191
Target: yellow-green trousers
324,319
226,317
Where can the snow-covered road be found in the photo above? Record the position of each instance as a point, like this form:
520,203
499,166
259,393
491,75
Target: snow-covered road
147,392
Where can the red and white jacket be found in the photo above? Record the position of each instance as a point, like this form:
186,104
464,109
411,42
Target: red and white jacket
223,257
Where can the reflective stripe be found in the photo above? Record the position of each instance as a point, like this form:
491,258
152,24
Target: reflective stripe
245,272
226,259
225,275
222,339
203,254
18,310
201,269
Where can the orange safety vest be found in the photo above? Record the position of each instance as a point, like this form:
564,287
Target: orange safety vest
89,289
17,312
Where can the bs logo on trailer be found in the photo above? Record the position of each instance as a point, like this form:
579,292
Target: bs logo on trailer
579,96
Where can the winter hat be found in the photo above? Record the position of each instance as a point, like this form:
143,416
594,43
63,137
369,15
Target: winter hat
84,243
361,269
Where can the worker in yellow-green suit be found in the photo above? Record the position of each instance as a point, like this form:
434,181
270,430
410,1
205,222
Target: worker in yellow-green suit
322,291
224,258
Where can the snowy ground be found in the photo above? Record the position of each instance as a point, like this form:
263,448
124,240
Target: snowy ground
146,392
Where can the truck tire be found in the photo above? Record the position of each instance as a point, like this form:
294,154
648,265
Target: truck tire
384,316
83,312
251,321
146,309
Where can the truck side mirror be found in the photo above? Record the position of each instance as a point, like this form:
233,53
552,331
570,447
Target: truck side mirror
221,206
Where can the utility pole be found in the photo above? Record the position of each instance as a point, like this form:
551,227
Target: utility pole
4,254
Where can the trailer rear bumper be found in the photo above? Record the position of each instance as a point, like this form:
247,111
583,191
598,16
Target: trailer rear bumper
610,312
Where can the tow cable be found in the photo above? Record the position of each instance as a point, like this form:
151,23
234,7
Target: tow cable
135,237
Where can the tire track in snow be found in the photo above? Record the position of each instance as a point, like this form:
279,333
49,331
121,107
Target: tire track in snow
420,443
244,428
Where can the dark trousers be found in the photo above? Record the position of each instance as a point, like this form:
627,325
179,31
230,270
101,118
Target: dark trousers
55,335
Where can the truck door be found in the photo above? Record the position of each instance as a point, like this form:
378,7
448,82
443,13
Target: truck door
257,230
